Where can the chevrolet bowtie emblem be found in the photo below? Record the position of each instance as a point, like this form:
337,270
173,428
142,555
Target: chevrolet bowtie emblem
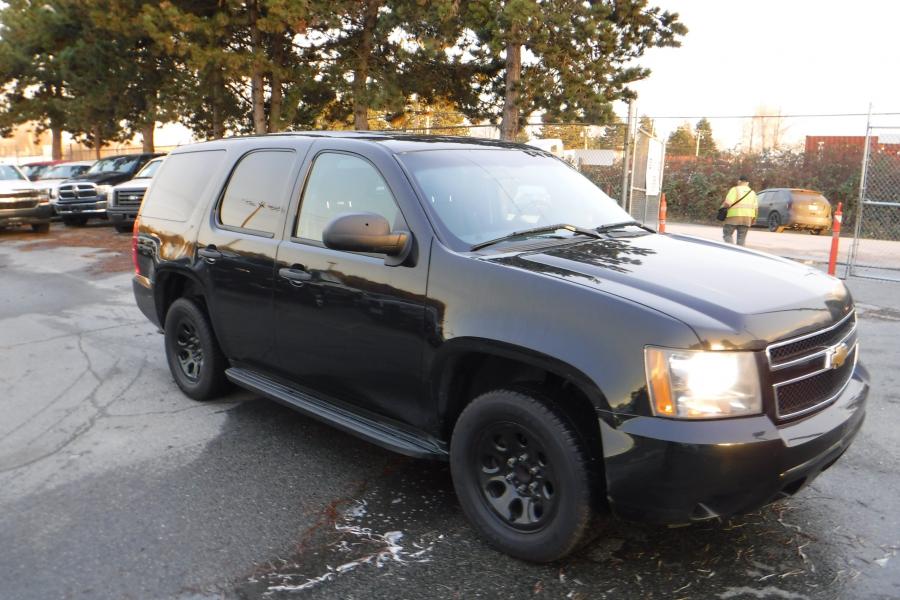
837,356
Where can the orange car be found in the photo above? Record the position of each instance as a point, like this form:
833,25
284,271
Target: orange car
794,208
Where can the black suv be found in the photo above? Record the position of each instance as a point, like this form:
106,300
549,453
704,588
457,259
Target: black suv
86,196
483,303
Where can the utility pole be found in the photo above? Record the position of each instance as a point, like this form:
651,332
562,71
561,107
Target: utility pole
626,155
697,150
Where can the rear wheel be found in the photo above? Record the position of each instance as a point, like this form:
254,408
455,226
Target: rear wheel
74,221
816,231
41,227
195,359
521,474
774,221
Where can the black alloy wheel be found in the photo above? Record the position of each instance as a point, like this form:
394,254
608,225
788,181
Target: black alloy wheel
195,360
516,478
774,221
190,351
521,474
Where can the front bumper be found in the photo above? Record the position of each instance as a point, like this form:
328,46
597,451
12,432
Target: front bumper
36,215
121,215
90,208
673,472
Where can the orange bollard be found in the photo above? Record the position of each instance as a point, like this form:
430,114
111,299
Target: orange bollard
835,237
662,214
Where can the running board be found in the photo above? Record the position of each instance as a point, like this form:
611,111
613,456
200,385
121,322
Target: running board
387,435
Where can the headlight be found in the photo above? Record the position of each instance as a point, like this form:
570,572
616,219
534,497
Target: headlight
44,195
103,190
696,384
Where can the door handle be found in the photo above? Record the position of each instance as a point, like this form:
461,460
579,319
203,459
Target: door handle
296,275
209,254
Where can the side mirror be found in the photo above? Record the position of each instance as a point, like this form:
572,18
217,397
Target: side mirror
366,232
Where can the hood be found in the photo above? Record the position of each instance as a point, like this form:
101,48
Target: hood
728,295
16,185
102,178
135,184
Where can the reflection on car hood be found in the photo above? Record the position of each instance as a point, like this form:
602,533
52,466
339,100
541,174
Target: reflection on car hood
728,295
17,185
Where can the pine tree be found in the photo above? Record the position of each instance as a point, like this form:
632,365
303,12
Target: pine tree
682,141
704,131
583,55
32,65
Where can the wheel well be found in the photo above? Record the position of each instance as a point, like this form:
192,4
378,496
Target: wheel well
172,286
472,374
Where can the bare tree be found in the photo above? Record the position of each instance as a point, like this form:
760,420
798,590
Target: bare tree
765,130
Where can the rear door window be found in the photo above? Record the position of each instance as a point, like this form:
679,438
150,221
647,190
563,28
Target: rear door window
180,183
257,192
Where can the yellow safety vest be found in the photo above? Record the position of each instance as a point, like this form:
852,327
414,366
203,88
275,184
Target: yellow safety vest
748,207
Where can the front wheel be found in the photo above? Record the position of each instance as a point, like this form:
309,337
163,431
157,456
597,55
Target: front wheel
521,475
195,360
41,227
816,231
123,227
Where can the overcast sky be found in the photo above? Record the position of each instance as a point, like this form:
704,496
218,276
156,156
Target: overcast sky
802,56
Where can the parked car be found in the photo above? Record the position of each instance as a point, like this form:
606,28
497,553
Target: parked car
59,173
125,198
564,359
85,196
794,208
21,203
35,170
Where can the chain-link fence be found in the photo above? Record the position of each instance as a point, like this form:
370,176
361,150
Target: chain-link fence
875,252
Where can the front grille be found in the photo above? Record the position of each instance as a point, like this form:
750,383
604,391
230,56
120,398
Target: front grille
73,192
128,198
783,352
810,371
14,204
800,396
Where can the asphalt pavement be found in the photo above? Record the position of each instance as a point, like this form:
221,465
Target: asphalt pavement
115,485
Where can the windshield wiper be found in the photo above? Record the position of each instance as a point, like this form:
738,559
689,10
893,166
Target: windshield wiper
611,226
536,230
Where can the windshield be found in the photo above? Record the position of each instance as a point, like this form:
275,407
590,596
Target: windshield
480,195
122,164
8,173
64,171
149,170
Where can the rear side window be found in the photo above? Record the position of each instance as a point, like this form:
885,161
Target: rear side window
180,183
257,192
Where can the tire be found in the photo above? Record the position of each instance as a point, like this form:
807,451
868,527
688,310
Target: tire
123,227
774,221
521,475
192,351
41,227
74,221
816,231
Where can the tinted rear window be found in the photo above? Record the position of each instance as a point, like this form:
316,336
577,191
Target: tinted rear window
809,197
180,183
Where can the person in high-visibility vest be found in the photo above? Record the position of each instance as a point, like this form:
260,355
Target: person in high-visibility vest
742,211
